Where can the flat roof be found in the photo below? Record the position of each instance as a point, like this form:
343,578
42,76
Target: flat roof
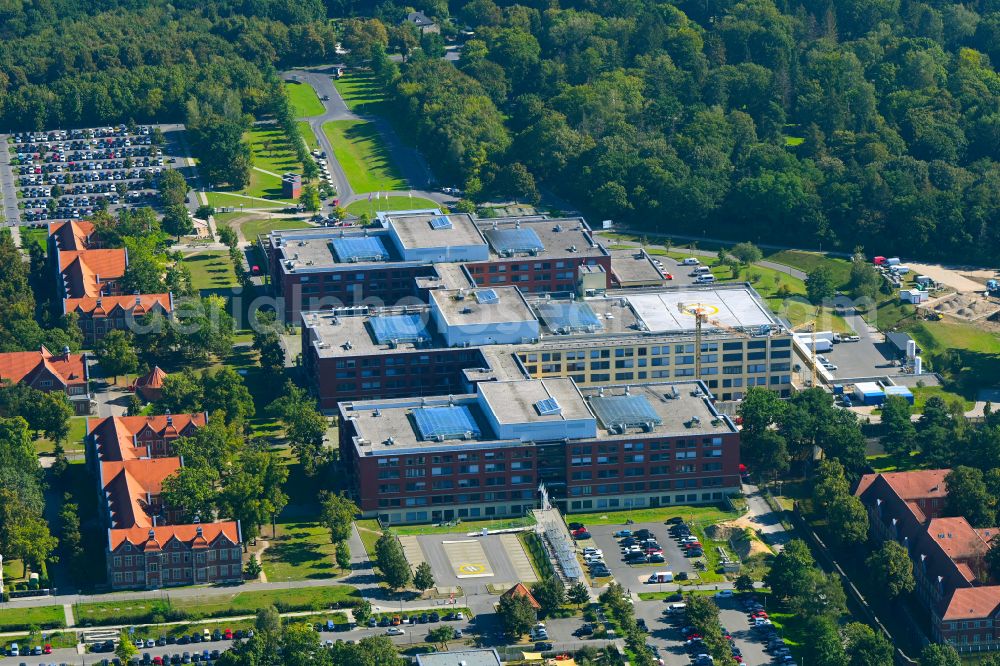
679,408
482,305
515,401
669,310
384,426
631,266
334,334
550,237
481,657
423,229
323,247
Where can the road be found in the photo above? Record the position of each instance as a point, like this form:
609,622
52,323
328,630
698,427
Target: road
11,214
411,164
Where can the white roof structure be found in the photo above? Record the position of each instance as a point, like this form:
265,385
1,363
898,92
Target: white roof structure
674,311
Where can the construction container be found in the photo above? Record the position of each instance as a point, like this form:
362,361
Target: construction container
899,391
868,393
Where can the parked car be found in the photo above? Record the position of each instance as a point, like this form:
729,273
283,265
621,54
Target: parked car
621,534
395,631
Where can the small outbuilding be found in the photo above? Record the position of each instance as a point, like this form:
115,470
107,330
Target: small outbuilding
901,392
521,590
150,385
869,393
422,22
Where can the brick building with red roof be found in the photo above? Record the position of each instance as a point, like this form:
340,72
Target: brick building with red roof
947,552
90,282
147,546
46,372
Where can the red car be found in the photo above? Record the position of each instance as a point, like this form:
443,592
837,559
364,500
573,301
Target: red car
692,545
228,634
760,614
668,276
47,649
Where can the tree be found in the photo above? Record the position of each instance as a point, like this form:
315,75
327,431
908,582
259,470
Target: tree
747,253
309,199
789,571
968,496
830,484
362,611
819,285
759,410
300,645
176,221
252,568
516,614
192,491
898,432
865,278
52,414
70,540
228,237
823,646
337,514
891,569
343,555
440,636
182,393
125,649
550,593
226,391
392,561
578,594
864,647
423,577
116,353
743,583
766,454
204,211
173,188
304,425
940,654
30,541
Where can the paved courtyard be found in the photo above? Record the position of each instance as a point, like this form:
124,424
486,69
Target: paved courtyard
633,577
461,561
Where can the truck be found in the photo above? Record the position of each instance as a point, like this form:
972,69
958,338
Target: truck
661,577
992,287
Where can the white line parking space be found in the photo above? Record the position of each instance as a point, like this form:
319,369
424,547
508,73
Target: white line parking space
518,558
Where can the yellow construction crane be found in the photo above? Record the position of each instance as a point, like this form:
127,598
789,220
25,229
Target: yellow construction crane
701,317
812,323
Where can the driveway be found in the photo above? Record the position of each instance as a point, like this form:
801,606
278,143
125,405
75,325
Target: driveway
411,164
767,521
11,214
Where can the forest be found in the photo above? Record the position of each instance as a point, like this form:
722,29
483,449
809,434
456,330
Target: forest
811,123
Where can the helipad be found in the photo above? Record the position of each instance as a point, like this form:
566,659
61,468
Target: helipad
674,311
467,558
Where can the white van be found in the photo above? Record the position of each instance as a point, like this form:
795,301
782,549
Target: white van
676,609
704,279
700,270
690,261
661,577
900,269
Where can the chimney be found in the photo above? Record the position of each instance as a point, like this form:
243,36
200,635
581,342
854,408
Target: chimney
198,531
197,520
170,419
66,352
152,534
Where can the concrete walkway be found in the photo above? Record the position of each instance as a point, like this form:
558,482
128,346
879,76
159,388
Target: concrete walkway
768,521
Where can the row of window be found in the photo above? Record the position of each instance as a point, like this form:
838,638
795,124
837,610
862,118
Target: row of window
636,502
612,488
463,498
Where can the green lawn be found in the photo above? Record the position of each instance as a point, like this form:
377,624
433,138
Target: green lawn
57,639
74,441
307,134
464,527
272,151
361,92
304,100
211,269
17,619
392,203
253,228
896,463
701,514
922,393
299,551
265,186
362,154
37,235
840,268
226,200
235,603
967,355
369,531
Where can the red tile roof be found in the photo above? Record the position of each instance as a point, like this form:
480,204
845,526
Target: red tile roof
115,436
129,485
210,532
957,538
71,235
521,590
920,484
968,603
104,306
25,366
152,380
84,271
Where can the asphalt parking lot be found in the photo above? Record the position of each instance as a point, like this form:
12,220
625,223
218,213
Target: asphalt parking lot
665,632
633,577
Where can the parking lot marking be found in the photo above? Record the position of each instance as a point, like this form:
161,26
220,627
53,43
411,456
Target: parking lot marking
468,559
518,558
412,550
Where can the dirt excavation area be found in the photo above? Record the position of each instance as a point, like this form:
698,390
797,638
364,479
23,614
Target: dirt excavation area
960,278
968,306
734,532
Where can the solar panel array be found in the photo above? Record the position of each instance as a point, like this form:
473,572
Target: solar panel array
403,328
548,407
361,248
440,222
445,422
514,240
624,410
569,316
487,296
